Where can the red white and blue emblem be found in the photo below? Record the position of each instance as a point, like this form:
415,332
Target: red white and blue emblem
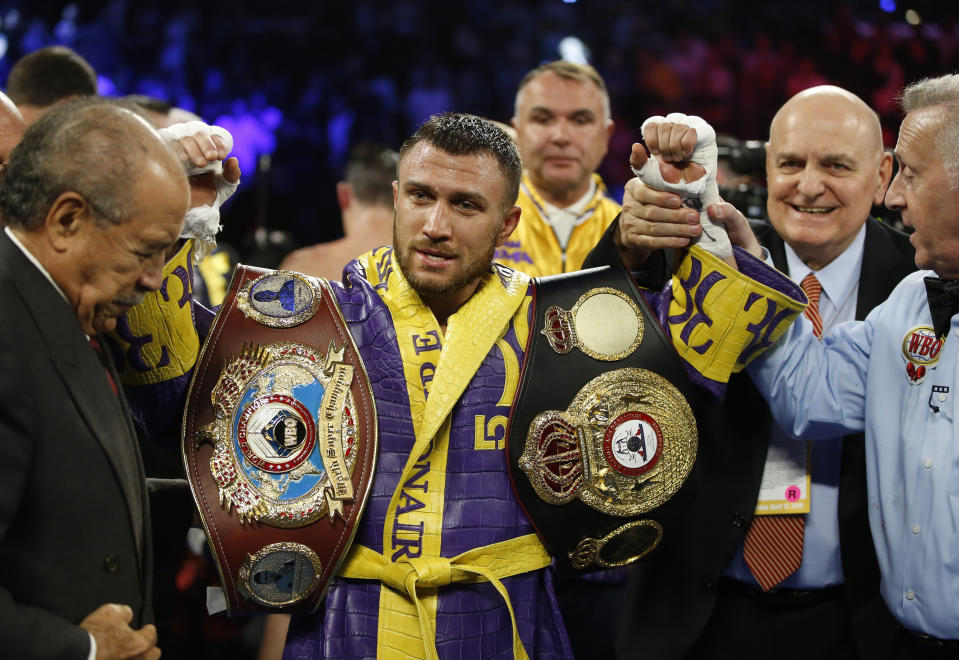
633,443
276,433
921,350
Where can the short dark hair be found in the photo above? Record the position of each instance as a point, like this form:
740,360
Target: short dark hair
371,171
467,135
49,75
148,103
91,146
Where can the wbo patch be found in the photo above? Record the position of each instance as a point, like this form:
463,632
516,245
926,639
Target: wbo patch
921,350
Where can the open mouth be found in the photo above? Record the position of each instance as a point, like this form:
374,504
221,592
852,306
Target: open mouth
814,210
434,257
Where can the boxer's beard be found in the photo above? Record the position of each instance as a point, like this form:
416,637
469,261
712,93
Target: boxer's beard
467,270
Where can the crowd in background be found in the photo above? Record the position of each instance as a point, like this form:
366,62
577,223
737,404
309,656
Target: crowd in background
299,84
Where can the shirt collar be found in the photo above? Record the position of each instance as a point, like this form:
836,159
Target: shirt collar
576,207
34,261
839,276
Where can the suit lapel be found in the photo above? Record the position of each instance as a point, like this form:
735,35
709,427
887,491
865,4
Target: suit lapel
83,376
882,268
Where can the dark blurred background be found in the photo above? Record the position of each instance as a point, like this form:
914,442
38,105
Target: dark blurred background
299,83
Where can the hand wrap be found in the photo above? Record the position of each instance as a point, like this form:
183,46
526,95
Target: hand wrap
696,194
203,222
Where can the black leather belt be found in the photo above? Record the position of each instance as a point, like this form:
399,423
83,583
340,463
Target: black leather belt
600,433
783,598
932,648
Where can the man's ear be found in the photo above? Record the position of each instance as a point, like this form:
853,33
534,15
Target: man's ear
885,174
510,222
396,190
344,195
66,218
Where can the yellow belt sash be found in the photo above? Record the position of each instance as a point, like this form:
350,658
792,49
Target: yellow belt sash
408,598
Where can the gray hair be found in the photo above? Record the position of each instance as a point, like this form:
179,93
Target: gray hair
943,92
582,73
91,146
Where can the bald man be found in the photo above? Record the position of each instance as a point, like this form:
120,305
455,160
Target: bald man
825,168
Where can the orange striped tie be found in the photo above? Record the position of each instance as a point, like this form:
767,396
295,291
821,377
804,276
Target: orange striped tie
773,548
813,290
773,545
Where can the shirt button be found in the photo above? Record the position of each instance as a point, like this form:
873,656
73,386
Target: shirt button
111,564
910,594
915,530
927,463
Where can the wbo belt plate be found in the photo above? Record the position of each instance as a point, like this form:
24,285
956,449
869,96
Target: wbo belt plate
279,299
624,446
605,324
279,574
283,434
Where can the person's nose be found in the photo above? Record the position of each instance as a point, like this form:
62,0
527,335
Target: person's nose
895,199
438,223
811,184
560,132
152,276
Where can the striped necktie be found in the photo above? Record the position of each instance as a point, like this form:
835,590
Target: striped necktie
773,545
813,289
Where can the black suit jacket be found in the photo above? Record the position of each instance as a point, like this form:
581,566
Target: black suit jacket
672,593
74,530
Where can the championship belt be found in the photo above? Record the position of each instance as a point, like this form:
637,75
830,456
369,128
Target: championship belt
601,433
279,440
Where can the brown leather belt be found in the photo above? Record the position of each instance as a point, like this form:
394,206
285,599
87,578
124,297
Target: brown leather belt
279,440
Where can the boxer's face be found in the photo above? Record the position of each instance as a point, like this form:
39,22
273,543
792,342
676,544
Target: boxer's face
562,132
825,169
450,215
925,194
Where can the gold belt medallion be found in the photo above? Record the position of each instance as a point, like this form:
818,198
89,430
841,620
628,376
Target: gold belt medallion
624,446
283,434
605,324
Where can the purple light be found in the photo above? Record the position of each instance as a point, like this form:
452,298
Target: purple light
887,6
